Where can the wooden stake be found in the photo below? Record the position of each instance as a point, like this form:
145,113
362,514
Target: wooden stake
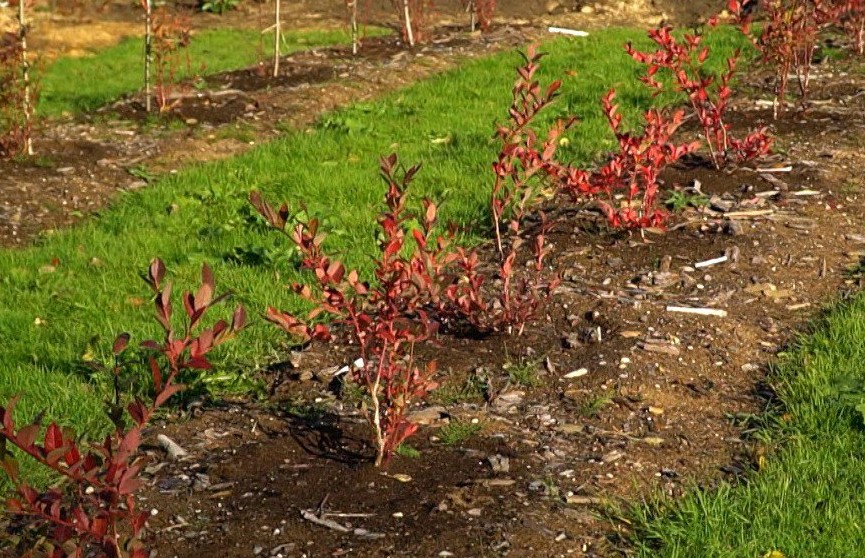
148,52
276,32
352,6
25,69
408,30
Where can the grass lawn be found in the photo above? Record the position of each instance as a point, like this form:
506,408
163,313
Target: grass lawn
83,84
809,498
52,316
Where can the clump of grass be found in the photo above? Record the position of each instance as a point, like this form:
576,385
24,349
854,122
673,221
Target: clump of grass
524,373
593,406
472,390
407,451
456,432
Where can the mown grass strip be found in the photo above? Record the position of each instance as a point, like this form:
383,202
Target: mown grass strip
52,316
809,497
87,83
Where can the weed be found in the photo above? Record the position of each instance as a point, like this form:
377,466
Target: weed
593,406
677,201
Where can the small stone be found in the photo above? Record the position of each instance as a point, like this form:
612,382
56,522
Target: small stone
499,463
509,399
733,228
431,415
614,455
719,204
587,10
572,341
662,279
474,512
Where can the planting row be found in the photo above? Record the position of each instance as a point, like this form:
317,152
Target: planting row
167,67
424,284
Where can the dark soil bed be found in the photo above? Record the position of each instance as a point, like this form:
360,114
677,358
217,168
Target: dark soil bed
627,398
620,398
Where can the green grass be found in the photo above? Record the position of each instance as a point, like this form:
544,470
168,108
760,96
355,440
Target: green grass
201,215
809,498
71,84
524,373
456,432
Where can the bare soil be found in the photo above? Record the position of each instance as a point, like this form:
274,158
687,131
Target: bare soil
664,399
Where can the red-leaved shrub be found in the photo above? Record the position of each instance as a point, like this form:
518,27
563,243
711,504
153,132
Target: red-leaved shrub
709,96
788,39
384,320
95,512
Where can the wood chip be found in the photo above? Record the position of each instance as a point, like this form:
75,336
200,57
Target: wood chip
584,500
698,311
749,214
709,263
657,346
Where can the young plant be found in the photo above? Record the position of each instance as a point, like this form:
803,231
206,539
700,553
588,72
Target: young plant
851,18
482,12
413,16
17,91
171,37
788,39
709,96
351,5
510,300
525,164
636,167
384,320
96,512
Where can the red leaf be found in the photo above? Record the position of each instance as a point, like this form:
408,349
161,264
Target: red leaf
166,393
137,411
204,296
53,437
155,374
120,343
27,435
156,273
238,321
